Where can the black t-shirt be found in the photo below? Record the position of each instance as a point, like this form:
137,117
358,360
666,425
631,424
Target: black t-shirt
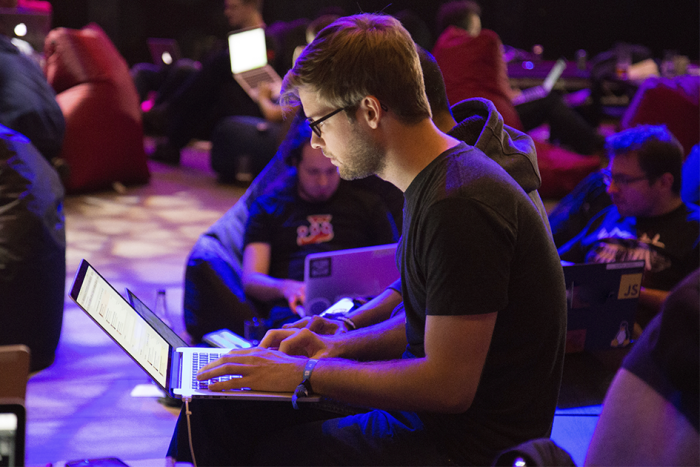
667,356
473,243
668,244
352,218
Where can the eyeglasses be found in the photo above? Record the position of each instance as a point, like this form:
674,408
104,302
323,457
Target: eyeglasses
620,180
314,125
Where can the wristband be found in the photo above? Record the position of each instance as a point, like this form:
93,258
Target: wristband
304,388
350,324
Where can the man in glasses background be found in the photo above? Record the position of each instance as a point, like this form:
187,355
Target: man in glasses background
311,211
647,220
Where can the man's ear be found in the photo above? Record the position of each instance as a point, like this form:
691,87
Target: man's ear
372,111
666,180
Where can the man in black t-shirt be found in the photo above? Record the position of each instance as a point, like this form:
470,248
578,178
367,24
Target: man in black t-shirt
475,366
312,211
648,219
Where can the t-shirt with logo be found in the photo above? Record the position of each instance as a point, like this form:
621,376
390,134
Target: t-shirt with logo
668,244
352,218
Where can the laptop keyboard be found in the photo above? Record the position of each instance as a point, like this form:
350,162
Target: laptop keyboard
255,77
199,360
529,95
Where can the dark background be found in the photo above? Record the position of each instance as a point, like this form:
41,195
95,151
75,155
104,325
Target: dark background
560,26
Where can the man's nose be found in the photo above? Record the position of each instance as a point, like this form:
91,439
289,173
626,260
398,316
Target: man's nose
316,141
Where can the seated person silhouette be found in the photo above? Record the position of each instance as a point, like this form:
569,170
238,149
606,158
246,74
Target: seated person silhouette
310,211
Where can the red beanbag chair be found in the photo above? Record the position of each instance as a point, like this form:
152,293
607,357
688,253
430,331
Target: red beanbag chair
669,101
104,135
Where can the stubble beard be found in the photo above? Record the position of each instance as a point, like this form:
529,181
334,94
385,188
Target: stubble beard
365,158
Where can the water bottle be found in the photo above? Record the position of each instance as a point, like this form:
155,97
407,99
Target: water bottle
161,308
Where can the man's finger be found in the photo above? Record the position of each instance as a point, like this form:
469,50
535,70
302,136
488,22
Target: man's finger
274,337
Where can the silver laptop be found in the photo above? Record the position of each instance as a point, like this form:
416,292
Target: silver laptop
163,51
543,90
173,369
358,272
248,52
602,301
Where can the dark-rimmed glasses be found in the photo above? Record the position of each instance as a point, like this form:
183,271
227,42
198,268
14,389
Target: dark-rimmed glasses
621,181
314,125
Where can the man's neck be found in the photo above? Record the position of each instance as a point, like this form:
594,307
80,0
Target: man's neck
410,149
255,21
666,206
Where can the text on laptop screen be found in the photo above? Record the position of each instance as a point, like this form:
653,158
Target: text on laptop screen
248,50
111,311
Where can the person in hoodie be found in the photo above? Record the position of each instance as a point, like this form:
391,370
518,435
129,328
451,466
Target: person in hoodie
480,125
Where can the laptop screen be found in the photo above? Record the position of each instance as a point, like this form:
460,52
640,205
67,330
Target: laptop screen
12,434
554,74
248,50
123,324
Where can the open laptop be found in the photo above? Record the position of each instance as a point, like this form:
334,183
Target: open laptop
358,272
223,339
163,51
541,91
174,369
248,51
12,432
601,301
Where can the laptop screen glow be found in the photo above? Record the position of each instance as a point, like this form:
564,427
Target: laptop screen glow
124,325
248,50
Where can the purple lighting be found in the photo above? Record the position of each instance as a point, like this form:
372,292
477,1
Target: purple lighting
528,65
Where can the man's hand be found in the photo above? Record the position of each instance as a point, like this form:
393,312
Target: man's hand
299,342
295,293
319,325
259,369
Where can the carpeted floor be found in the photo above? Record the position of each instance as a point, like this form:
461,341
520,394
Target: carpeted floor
81,407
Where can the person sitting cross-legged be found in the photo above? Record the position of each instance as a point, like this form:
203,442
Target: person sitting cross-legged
647,221
312,211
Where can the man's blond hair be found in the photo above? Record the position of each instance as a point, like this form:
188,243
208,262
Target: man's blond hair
357,56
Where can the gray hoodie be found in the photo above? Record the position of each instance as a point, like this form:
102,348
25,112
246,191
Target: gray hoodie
480,125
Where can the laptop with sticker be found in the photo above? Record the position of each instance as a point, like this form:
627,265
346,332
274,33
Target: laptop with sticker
601,302
353,273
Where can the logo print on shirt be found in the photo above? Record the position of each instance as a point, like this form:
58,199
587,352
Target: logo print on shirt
619,245
320,230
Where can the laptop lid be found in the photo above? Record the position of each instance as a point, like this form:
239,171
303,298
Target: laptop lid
601,302
247,49
173,369
163,329
13,421
554,75
111,312
163,51
357,272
